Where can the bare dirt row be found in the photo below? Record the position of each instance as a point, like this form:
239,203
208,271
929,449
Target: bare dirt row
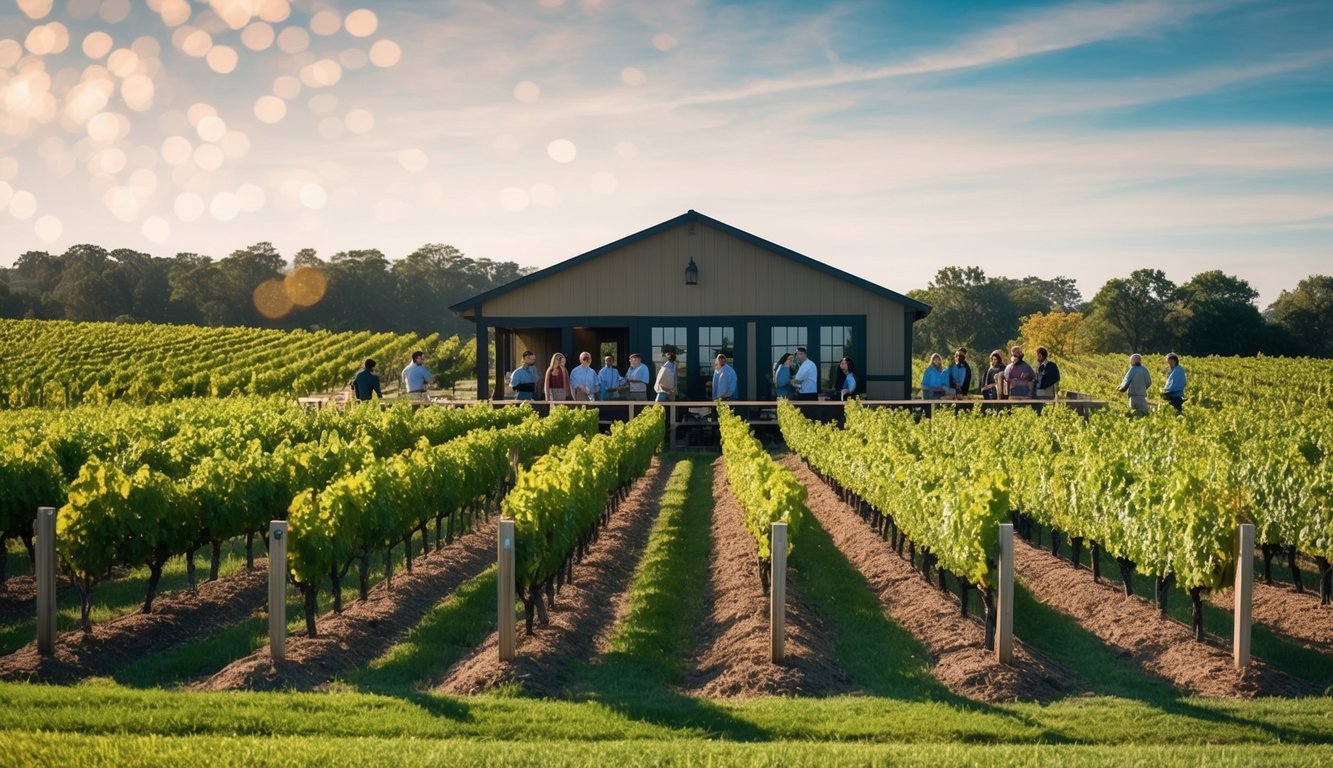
18,597
365,629
585,609
1133,625
176,620
1296,616
733,653
954,643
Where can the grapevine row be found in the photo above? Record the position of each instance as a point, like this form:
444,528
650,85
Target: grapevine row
115,516
917,489
767,491
386,502
558,503
66,363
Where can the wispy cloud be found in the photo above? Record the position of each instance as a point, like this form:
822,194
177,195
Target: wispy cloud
830,128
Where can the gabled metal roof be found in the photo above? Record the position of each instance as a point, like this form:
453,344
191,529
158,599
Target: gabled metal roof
694,216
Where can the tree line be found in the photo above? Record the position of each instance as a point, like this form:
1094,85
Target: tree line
1213,313
352,290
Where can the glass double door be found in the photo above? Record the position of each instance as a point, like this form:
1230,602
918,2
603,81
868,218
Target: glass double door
696,348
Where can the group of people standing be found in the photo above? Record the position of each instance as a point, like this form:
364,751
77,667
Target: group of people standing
583,383
1137,381
796,378
799,380
1019,379
416,379
1016,379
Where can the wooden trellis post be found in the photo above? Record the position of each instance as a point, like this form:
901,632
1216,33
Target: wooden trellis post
777,591
1004,620
277,589
504,552
45,528
1240,636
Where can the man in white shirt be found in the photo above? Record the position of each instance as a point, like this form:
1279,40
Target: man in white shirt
666,379
806,380
583,379
637,378
416,376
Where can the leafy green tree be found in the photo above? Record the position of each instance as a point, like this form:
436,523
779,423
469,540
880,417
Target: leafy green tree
206,287
36,271
1035,294
433,277
967,309
1218,316
1139,309
1306,316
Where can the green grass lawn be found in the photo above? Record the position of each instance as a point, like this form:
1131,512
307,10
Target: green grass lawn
170,752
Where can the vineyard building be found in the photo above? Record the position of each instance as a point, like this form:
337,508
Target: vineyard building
697,286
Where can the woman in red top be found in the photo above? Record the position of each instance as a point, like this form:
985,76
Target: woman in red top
556,383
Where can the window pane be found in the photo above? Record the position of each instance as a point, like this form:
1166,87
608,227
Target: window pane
674,339
714,340
836,342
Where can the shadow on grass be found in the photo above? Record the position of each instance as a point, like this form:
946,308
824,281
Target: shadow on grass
1286,654
1111,672
443,636
196,660
648,651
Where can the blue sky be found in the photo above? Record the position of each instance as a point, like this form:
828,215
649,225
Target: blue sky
886,138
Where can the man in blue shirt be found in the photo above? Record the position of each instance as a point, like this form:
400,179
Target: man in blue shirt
637,378
416,376
609,380
1174,389
724,379
960,373
524,378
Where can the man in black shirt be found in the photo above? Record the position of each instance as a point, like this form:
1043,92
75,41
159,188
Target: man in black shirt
367,382
1048,375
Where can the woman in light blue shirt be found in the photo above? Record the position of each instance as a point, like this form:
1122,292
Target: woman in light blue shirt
1174,389
935,381
782,377
847,370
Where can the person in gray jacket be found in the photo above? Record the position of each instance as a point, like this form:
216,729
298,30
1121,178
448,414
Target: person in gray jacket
1135,384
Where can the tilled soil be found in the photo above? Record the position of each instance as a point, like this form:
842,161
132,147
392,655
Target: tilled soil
18,598
955,644
584,611
176,620
1298,617
1133,625
733,638
364,630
